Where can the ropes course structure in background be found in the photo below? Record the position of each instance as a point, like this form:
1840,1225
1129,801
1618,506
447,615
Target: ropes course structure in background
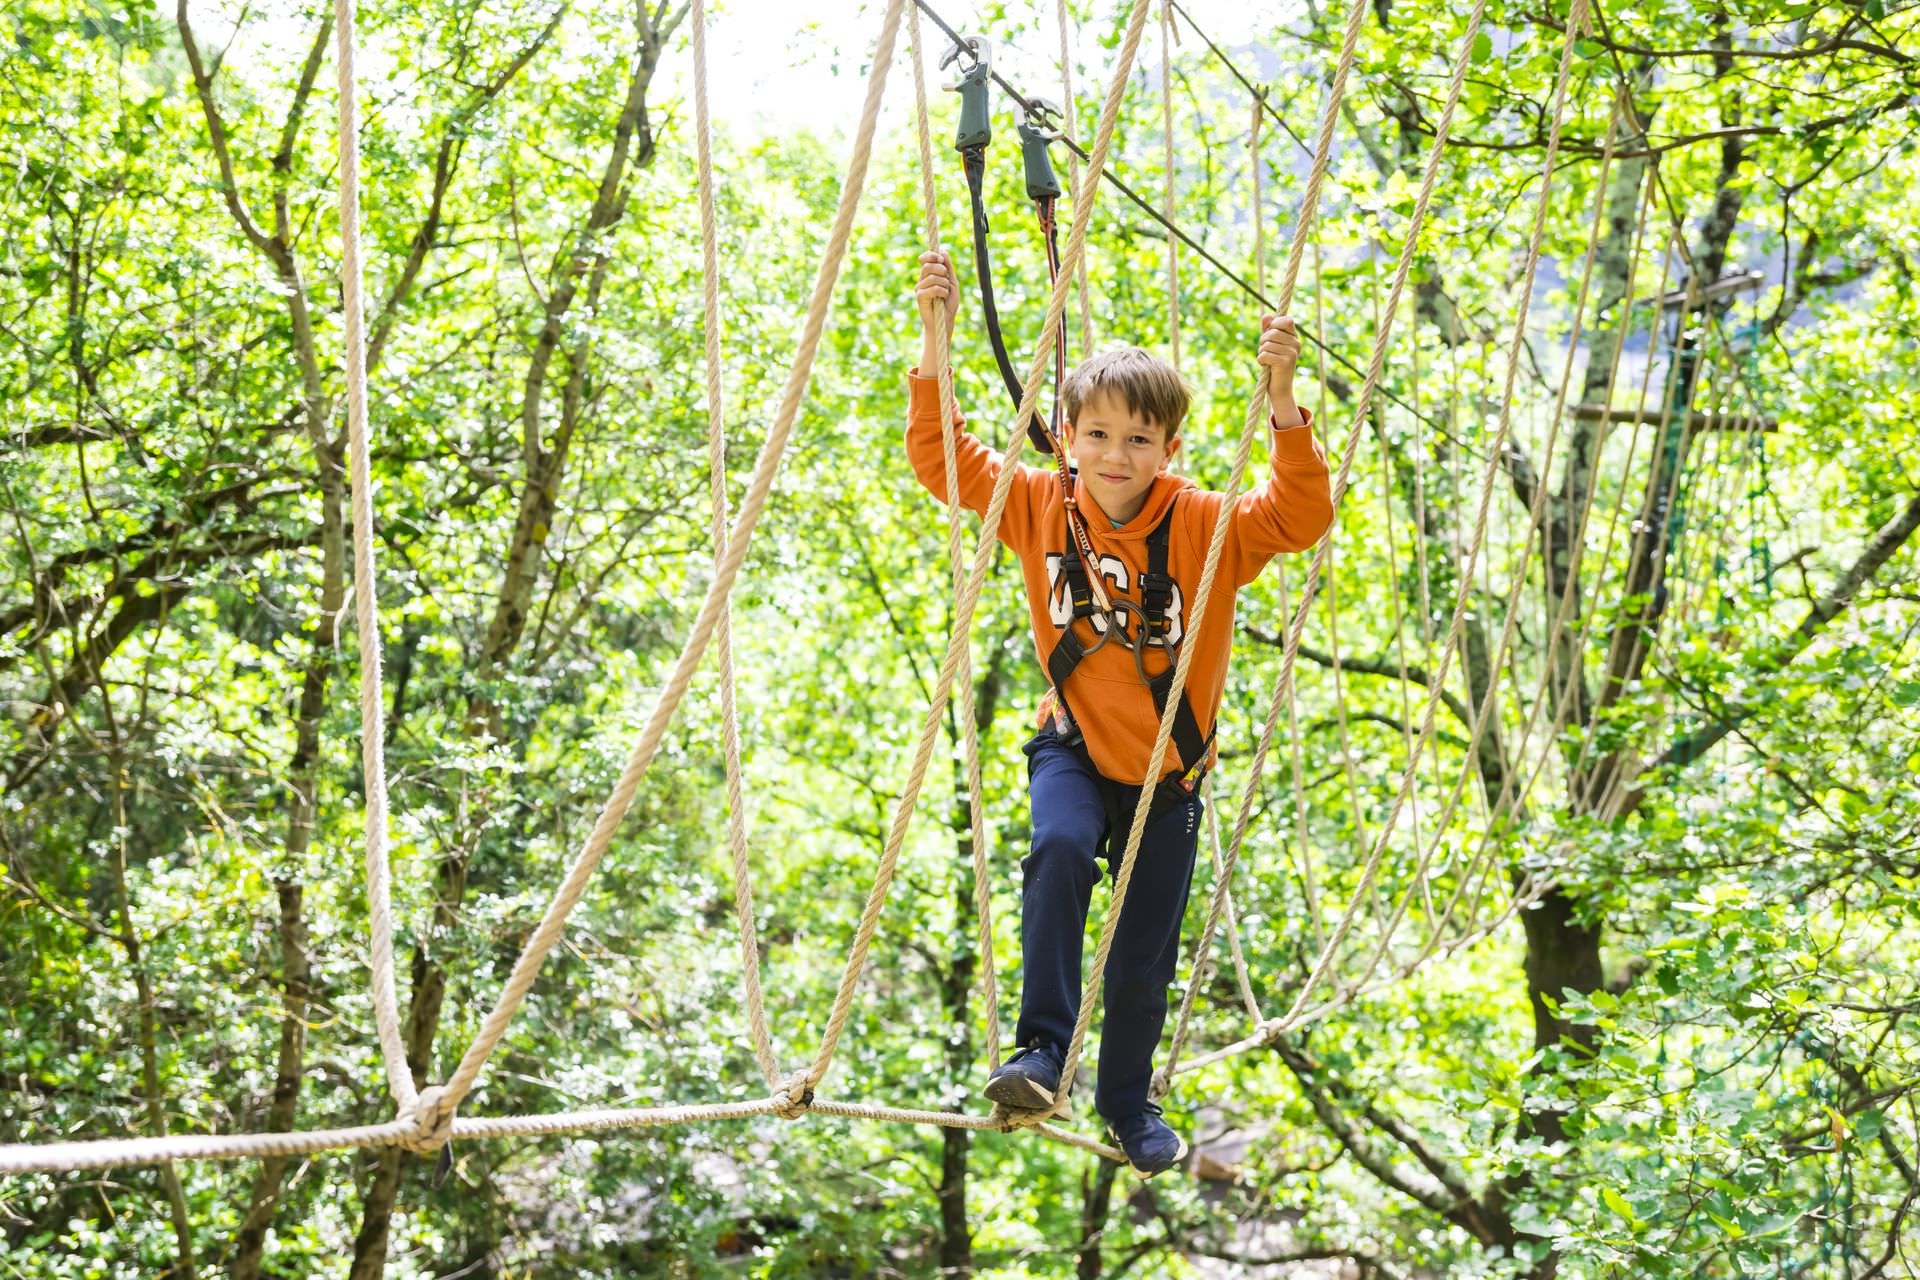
426,1119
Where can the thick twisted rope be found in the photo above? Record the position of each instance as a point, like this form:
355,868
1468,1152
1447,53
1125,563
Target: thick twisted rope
717,499
554,921
1257,415
956,558
366,616
1069,117
63,1157
1329,952
983,550
1456,627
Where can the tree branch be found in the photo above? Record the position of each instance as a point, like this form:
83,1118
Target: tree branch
1889,539
1367,667
1448,1195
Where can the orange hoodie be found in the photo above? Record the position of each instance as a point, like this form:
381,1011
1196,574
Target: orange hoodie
1114,709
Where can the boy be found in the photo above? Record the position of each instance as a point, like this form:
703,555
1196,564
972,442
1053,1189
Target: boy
1104,596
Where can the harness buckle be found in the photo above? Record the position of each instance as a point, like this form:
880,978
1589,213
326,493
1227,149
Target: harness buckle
1156,599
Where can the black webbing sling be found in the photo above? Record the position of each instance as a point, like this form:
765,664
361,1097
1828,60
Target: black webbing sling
974,160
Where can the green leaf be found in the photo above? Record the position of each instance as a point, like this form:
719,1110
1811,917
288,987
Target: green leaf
1482,47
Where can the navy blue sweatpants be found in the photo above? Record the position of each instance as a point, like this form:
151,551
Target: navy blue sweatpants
1069,829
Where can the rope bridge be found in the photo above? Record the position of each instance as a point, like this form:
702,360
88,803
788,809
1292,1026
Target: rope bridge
426,1119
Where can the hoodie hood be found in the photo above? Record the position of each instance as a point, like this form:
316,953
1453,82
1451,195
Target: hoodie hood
1166,487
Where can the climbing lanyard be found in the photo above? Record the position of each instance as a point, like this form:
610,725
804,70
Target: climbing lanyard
1106,615
971,137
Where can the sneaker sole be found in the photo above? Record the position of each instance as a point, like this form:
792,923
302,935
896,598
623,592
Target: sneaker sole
1178,1157
1018,1091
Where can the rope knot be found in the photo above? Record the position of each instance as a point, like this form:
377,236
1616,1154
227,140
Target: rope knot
1162,1085
432,1122
1007,1119
794,1097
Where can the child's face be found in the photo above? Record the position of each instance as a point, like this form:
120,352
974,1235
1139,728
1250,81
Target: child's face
1118,453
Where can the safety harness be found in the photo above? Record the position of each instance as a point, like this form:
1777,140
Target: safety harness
1154,629
1088,597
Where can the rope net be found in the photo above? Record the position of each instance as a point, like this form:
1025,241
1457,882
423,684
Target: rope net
1448,881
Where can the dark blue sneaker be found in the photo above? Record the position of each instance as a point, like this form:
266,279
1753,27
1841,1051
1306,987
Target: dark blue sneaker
1028,1080
1150,1145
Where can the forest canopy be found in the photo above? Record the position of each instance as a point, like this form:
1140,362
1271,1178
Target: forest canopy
1569,910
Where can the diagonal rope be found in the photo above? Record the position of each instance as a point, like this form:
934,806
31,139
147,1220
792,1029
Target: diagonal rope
1069,123
1241,974
956,557
366,615
554,921
1308,887
801,1088
1388,478
1464,595
723,629
1536,511
1282,692
1257,416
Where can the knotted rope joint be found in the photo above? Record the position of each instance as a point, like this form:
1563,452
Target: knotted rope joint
794,1098
432,1119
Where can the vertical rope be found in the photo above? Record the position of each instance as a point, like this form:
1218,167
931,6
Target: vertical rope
366,615
956,557
1069,123
1166,199
1258,412
1240,971
1309,886
982,555
761,486
1388,478
717,500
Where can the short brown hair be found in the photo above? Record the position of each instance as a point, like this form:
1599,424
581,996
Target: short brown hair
1150,386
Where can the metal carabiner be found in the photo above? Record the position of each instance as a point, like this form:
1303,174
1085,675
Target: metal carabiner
1044,116
978,50
975,129
1150,641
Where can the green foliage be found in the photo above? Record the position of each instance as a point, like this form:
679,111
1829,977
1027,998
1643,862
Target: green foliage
1692,1058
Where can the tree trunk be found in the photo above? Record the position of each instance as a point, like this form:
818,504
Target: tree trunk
303,783
183,1264
956,1234
250,1240
1096,1199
